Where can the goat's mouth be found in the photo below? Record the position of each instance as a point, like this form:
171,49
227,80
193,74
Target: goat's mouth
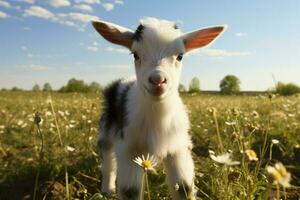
156,92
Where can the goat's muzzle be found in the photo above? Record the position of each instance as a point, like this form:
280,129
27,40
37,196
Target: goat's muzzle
157,82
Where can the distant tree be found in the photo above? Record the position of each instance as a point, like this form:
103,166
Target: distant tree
16,89
230,84
74,85
47,87
36,88
194,85
95,87
181,88
287,89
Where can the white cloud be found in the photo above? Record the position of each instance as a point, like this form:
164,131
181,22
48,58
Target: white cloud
59,3
3,15
27,1
92,48
95,44
40,12
108,6
24,48
223,53
26,28
30,55
5,4
83,7
72,19
241,34
121,2
79,17
68,23
118,50
219,53
117,66
88,1
34,67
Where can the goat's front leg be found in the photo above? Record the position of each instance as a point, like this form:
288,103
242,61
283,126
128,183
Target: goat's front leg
108,167
180,174
129,176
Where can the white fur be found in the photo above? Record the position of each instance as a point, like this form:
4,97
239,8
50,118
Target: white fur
157,125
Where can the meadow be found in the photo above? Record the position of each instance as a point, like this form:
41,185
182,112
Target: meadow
48,151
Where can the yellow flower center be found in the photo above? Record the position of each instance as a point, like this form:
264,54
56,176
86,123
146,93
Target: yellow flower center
146,164
277,176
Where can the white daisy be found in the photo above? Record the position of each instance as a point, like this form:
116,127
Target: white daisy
147,163
224,159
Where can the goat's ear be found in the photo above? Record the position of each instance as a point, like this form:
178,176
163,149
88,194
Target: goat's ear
202,37
114,33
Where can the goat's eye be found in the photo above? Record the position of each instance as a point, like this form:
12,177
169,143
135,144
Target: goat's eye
179,57
136,56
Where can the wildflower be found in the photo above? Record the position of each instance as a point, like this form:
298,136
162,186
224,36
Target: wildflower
67,113
274,141
176,187
251,155
38,119
69,148
211,152
279,174
61,113
83,117
235,111
24,125
212,110
48,113
93,129
230,123
49,100
89,121
255,114
147,164
20,122
30,118
224,159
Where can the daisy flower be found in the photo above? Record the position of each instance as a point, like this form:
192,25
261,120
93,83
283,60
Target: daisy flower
251,155
224,159
147,163
274,141
280,175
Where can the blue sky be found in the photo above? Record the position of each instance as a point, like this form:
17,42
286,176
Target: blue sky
53,41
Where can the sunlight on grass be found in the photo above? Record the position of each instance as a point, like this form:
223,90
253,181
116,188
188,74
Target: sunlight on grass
239,143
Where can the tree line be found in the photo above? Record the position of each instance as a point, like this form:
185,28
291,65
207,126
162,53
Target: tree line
229,85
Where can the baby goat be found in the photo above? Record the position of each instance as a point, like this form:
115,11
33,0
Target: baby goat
146,115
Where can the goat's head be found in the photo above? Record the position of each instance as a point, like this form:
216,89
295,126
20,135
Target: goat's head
157,47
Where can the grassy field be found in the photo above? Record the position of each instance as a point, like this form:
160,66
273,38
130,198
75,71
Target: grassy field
57,159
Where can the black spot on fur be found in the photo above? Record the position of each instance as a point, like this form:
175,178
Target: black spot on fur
138,33
123,112
114,111
175,26
104,143
110,110
130,193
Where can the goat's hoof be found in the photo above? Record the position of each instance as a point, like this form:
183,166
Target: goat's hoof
108,191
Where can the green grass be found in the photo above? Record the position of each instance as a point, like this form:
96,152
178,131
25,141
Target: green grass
257,120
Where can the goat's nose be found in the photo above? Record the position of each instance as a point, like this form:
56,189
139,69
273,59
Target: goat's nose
157,79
